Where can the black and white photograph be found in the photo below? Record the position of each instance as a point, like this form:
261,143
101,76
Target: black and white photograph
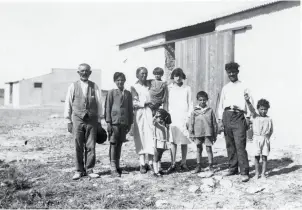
150,104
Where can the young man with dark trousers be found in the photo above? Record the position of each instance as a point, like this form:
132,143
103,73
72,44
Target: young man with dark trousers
233,115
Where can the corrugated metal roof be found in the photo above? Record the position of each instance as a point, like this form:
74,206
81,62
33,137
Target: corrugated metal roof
249,5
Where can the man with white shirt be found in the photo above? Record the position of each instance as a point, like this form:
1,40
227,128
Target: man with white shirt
234,114
83,111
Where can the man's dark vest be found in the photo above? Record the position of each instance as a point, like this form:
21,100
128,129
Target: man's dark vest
83,105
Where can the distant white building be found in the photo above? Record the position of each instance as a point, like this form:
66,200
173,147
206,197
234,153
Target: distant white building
48,89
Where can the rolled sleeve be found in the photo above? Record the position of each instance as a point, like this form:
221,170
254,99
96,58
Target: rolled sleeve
247,108
137,103
220,106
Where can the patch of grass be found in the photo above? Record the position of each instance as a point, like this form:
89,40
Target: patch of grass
13,182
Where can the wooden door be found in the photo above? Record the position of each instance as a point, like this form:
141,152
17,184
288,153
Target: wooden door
203,60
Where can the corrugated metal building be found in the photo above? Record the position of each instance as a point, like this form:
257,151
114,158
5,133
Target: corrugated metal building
264,39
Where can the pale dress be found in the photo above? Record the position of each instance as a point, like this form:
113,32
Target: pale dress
180,106
143,121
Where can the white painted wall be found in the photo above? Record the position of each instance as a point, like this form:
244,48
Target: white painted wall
132,56
16,93
270,58
6,94
53,91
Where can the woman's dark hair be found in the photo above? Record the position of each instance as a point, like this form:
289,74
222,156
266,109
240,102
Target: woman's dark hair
232,66
117,75
140,69
202,94
263,102
178,72
158,70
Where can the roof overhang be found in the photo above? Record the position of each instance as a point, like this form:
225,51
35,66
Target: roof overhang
245,27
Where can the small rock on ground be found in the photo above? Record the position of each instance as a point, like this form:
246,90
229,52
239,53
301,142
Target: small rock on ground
160,203
193,188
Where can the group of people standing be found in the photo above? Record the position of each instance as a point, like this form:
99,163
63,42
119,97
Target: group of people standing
163,116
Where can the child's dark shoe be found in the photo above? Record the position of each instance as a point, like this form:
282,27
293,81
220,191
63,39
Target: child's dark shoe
157,175
184,167
197,169
150,168
161,172
115,174
263,176
143,169
171,169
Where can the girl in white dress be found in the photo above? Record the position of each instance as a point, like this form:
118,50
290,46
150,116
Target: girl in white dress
179,106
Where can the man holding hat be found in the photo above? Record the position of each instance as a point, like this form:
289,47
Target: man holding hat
234,114
83,111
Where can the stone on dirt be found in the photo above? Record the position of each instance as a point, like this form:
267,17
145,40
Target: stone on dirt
160,203
206,188
208,182
188,205
226,183
53,116
206,174
254,189
193,188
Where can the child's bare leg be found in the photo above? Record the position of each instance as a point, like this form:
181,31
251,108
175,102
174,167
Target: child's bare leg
210,156
199,153
143,169
264,164
142,159
184,151
156,158
159,166
198,157
173,153
257,158
173,150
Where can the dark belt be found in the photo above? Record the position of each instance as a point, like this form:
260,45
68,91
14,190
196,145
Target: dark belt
233,109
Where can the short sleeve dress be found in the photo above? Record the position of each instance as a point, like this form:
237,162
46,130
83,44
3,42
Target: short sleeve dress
180,106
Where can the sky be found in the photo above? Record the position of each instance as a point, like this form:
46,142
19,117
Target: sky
38,36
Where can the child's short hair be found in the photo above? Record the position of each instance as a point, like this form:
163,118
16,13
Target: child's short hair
202,94
159,71
117,75
263,102
232,66
178,72
165,116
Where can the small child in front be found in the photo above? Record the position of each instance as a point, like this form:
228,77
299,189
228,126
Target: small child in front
158,90
203,129
161,122
262,131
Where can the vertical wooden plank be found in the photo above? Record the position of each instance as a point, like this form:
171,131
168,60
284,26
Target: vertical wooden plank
203,60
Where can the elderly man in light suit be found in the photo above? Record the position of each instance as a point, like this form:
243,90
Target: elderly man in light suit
83,111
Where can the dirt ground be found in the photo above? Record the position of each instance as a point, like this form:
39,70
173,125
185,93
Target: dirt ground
36,166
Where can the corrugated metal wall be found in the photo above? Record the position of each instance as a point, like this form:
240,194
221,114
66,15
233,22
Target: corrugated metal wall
203,59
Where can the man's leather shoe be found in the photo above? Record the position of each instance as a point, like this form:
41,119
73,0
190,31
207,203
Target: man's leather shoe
230,173
244,178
